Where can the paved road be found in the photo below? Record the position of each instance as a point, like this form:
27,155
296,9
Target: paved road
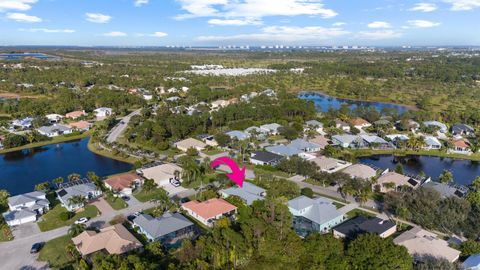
16,254
121,126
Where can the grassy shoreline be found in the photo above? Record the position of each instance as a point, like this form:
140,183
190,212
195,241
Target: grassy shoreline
402,153
55,140
108,154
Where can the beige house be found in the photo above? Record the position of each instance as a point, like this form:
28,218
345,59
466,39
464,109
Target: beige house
391,181
114,240
330,165
208,212
360,171
162,173
190,143
424,243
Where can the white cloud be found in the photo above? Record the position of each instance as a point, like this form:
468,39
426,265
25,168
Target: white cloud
424,7
237,22
139,3
97,17
22,17
115,34
285,34
22,5
460,5
48,30
422,23
378,35
379,24
159,34
231,9
337,24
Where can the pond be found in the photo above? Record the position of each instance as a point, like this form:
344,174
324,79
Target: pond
20,171
324,102
464,171
20,56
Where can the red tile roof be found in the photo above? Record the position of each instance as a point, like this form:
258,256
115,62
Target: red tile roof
119,182
211,208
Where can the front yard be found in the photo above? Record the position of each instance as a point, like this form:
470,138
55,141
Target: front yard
155,194
116,203
51,220
55,254
5,233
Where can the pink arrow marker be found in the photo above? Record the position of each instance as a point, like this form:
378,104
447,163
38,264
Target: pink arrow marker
237,175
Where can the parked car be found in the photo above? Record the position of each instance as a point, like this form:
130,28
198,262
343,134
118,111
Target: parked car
36,247
81,220
175,182
126,198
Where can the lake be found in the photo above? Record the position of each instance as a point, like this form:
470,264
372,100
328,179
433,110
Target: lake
464,171
20,56
324,102
20,171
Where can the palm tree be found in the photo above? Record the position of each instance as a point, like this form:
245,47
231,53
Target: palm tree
415,143
148,185
71,250
4,197
77,200
30,137
191,170
74,177
76,229
58,180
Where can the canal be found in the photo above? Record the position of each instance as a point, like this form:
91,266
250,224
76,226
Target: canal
20,171
464,171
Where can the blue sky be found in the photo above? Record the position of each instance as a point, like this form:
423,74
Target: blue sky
239,22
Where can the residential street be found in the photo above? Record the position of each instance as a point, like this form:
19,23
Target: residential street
16,254
121,126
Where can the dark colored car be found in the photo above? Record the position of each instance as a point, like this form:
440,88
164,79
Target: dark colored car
126,198
36,247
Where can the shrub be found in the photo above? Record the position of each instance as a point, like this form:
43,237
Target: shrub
64,216
307,192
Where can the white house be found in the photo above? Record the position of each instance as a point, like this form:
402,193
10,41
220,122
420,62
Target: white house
86,190
162,174
102,112
432,143
54,118
55,130
26,207
272,129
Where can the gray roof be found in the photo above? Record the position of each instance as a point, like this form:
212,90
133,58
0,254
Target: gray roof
265,156
50,129
360,225
76,190
314,123
445,190
472,262
249,192
239,135
441,126
345,139
320,210
26,198
429,140
18,214
302,144
373,139
283,150
271,127
459,128
158,227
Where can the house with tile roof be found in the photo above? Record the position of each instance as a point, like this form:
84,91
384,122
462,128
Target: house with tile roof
209,211
391,181
420,243
124,184
81,125
186,144
360,123
170,229
115,239
360,171
314,215
75,114
459,146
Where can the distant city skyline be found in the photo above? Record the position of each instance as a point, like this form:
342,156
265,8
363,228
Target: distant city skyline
240,22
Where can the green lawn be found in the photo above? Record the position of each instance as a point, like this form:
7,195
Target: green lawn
51,220
144,196
213,152
55,254
358,212
116,203
99,151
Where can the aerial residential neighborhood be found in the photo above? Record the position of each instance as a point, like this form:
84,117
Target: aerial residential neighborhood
239,134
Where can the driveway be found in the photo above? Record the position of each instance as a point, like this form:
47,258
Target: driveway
103,206
172,191
24,230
